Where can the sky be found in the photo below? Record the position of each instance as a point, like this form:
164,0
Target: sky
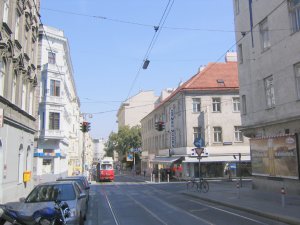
109,40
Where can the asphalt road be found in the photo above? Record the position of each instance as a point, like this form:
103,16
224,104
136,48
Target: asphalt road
129,201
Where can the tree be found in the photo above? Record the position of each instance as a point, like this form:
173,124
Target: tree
121,142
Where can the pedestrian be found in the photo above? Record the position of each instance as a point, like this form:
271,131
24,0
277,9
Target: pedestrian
144,172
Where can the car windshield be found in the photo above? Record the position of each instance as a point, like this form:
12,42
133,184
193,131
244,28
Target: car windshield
46,193
78,181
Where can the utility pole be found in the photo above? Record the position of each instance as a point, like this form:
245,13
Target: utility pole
83,153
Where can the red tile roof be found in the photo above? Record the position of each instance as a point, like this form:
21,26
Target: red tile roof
215,76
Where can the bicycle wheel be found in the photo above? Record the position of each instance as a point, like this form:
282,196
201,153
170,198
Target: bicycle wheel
204,186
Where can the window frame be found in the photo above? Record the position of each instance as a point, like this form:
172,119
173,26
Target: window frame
52,58
264,34
269,91
53,118
238,134
196,105
294,13
5,11
3,67
236,104
237,7
218,134
216,105
240,54
55,88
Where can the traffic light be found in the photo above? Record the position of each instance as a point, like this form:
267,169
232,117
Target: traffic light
160,125
85,126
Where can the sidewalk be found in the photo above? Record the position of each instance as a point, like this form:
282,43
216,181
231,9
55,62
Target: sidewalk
257,202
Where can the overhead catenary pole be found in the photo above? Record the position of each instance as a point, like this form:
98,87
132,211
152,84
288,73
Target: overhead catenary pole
83,153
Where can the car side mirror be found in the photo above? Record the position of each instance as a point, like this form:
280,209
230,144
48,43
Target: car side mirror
82,195
22,199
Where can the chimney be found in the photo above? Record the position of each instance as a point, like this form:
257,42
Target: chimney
202,67
231,57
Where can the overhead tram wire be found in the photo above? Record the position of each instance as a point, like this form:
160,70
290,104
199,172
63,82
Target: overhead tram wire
150,25
157,30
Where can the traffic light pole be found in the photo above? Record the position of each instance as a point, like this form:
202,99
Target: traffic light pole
83,153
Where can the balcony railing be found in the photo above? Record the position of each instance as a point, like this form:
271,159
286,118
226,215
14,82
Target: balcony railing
52,134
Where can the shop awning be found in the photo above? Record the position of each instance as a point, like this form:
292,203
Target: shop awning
165,160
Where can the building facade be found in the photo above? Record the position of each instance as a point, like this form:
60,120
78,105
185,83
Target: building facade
19,77
59,137
135,108
206,107
269,74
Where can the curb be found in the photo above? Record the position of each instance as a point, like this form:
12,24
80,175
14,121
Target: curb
283,219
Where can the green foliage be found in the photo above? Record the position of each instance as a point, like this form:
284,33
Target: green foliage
121,142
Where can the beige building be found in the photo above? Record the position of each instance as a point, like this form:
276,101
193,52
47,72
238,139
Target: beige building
269,74
205,107
135,108
19,78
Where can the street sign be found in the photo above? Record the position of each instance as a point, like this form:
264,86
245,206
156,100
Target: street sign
199,143
199,151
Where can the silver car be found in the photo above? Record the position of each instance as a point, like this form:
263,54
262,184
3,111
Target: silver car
43,195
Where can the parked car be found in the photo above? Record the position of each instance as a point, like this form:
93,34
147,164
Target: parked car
44,195
81,180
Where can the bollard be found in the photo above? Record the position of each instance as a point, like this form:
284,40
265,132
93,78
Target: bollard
158,177
168,178
238,189
283,197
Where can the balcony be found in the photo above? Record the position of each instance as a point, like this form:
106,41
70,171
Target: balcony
53,100
52,134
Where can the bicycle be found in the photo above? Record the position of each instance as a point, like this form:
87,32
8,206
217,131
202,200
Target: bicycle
201,185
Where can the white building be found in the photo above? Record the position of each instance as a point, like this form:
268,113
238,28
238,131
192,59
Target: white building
135,108
207,106
19,76
59,114
99,153
269,74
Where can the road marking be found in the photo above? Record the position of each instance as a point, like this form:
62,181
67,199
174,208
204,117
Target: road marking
235,214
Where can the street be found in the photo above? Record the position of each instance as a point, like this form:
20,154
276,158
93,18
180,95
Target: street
131,201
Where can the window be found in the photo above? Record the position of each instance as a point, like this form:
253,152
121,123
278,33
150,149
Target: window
17,26
55,88
264,34
5,11
51,58
14,89
24,95
236,104
217,134
240,53
31,101
238,136
297,74
216,103
237,6
2,76
54,121
269,89
179,107
197,132
196,105
244,105
295,15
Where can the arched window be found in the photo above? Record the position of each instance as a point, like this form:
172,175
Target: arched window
20,164
24,95
2,76
14,88
5,11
